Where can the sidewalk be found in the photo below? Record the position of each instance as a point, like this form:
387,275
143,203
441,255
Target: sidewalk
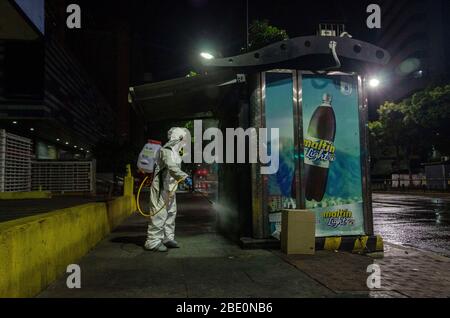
405,272
207,265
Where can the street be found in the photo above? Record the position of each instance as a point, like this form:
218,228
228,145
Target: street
421,221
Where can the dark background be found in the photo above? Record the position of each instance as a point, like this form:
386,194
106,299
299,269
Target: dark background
167,36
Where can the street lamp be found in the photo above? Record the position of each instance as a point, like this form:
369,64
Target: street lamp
374,82
207,56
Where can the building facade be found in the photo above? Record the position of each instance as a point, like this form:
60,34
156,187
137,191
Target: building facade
46,94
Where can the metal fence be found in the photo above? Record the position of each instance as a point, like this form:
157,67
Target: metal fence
415,183
63,176
15,162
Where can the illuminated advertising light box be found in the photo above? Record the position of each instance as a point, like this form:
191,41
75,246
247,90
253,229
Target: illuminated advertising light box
322,165
332,154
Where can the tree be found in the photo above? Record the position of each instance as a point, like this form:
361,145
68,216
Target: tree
378,148
391,126
430,109
262,34
413,127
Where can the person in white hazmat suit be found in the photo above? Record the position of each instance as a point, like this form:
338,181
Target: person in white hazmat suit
168,174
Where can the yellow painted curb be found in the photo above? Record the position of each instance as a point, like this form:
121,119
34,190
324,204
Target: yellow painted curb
25,195
379,244
332,243
360,244
36,250
354,244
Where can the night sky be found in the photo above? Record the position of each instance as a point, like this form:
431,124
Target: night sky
172,33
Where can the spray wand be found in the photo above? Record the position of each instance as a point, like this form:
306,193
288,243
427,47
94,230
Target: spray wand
204,196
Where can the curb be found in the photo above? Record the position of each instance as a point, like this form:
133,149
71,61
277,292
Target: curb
25,195
36,250
354,244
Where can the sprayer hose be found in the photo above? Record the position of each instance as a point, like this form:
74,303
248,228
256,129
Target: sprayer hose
150,214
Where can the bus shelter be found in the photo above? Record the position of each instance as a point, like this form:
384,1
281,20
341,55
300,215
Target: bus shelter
312,89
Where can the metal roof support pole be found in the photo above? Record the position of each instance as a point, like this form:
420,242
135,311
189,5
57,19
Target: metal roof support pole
259,182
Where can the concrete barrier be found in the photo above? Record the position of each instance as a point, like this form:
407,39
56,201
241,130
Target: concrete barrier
25,195
35,251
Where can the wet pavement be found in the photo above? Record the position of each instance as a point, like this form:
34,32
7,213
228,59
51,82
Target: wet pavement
405,272
207,265
420,221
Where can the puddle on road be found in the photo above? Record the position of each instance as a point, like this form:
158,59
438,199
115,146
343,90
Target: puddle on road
417,221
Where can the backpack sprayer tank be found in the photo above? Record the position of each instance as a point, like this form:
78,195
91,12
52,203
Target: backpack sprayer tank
148,156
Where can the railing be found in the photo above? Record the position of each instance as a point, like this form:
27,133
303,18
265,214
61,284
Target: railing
63,176
15,162
407,183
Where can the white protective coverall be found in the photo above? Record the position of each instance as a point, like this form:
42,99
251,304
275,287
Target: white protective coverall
161,228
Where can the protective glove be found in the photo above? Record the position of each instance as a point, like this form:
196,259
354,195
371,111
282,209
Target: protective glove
188,181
